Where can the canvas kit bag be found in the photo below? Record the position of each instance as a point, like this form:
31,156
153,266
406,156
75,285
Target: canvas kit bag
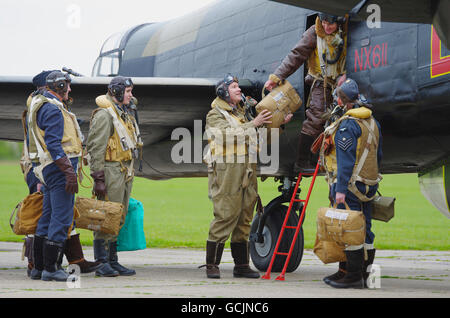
343,226
329,251
336,229
98,215
383,208
27,214
281,101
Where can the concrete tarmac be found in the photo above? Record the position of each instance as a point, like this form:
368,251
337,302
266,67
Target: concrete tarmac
174,273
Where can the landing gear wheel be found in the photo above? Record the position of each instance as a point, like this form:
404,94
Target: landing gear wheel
261,253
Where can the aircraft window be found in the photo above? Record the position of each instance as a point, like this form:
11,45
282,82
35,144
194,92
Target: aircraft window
107,65
112,43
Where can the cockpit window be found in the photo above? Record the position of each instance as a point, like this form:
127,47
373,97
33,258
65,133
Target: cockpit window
108,62
112,43
107,65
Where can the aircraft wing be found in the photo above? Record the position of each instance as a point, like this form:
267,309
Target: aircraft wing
406,11
164,104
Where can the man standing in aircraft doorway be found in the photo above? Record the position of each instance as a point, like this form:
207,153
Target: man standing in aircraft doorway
324,47
113,144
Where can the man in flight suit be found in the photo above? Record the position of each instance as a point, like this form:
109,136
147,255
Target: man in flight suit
323,47
72,249
112,145
232,177
352,170
54,149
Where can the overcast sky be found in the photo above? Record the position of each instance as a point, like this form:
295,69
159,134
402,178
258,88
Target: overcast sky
50,34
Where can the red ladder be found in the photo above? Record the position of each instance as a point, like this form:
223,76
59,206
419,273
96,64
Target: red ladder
297,228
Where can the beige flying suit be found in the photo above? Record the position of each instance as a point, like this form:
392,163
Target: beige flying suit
232,185
118,185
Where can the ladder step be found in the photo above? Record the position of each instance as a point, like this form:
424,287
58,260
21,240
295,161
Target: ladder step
294,198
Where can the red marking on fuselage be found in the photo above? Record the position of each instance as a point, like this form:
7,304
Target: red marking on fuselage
440,65
371,57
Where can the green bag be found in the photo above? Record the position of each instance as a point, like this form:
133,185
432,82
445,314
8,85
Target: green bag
131,236
383,208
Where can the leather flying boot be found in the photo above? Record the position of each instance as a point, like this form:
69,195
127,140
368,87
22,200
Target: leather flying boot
59,260
303,163
367,263
53,254
38,257
353,278
113,261
338,275
74,254
239,251
100,256
214,253
28,252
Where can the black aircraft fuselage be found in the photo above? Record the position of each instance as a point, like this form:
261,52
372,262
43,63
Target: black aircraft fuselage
401,68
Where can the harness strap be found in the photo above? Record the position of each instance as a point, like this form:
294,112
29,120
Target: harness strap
331,178
355,176
126,140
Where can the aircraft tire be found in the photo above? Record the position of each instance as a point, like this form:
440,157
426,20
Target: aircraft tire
261,253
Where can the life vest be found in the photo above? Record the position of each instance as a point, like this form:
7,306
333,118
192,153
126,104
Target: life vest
233,143
126,141
318,67
25,162
365,168
72,136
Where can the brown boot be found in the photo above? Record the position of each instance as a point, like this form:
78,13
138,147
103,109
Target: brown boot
239,251
214,253
74,254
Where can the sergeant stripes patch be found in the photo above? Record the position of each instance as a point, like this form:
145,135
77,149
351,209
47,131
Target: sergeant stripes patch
345,143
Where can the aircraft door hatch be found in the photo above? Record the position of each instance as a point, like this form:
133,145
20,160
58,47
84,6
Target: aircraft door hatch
310,20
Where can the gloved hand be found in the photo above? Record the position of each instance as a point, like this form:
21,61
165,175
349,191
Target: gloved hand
269,85
99,183
71,177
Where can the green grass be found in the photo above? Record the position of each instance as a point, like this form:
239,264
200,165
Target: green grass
178,211
10,150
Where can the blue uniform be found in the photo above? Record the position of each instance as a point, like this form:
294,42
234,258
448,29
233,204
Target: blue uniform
32,181
57,211
346,141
